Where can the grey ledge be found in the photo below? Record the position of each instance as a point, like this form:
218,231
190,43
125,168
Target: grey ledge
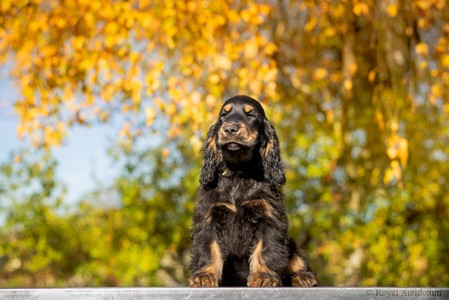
327,293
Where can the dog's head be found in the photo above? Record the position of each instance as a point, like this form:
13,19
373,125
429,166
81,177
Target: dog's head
242,135
241,118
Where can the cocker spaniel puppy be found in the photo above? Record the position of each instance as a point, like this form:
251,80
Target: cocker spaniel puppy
239,234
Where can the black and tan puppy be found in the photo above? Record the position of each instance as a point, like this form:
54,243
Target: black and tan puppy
239,235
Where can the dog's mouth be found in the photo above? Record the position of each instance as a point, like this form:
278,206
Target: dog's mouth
233,146
236,151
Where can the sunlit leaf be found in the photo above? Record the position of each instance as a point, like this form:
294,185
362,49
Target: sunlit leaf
360,8
422,49
392,10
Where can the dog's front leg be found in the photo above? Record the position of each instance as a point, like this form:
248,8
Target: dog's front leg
261,275
209,266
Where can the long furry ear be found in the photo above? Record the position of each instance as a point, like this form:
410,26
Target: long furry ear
271,156
212,159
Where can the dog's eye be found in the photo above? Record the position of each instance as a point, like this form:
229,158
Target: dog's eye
251,115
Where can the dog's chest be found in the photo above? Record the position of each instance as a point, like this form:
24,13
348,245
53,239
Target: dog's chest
241,212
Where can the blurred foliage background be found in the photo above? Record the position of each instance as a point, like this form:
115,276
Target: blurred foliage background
358,91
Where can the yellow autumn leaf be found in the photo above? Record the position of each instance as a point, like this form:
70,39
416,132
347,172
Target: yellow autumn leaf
352,68
170,109
435,93
165,152
360,9
434,73
403,152
372,75
423,4
214,78
52,136
150,114
195,98
270,48
264,9
422,49
110,40
5,5
436,90
311,24
347,84
319,74
125,131
251,48
21,130
90,99
335,77
255,87
89,18
233,16
381,122
78,42
330,32
397,148
246,15
392,10
223,62
196,143
445,61
136,88
393,173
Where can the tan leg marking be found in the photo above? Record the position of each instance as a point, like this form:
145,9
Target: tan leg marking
300,276
260,275
209,275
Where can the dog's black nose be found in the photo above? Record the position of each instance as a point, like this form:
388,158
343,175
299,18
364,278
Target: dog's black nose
231,129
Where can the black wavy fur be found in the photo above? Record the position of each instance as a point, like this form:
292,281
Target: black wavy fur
239,234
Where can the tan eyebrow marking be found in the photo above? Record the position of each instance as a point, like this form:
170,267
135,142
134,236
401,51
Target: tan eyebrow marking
227,107
247,108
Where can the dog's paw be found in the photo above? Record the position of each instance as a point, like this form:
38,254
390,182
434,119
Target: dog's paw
304,279
203,280
263,280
